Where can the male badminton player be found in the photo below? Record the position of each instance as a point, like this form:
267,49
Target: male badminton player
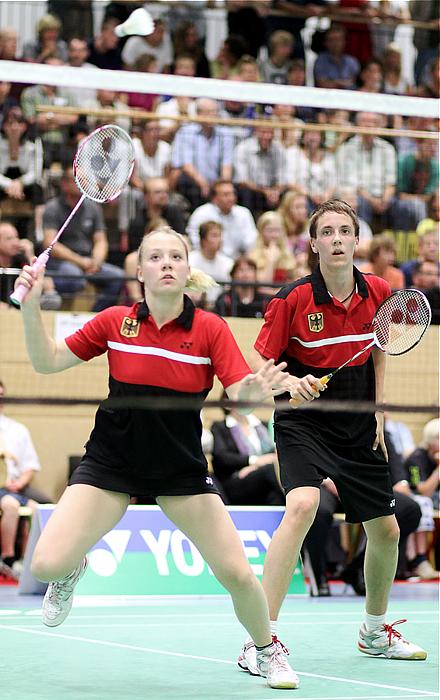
162,347
315,324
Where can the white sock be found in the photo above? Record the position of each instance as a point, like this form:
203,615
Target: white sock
372,622
273,627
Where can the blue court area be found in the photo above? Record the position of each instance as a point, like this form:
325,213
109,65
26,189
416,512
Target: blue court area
167,648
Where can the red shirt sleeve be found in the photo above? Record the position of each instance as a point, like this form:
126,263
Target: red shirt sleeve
227,359
274,335
91,340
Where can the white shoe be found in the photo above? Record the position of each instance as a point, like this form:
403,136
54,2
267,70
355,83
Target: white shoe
247,660
8,571
386,641
273,665
58,600
426,570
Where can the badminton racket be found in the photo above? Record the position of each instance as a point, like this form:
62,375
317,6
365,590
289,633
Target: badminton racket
102,167
398,326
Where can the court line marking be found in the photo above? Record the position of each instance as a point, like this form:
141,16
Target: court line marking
133,647
37,611
359,697
76,622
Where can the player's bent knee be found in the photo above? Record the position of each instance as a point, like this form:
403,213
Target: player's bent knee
238,579
303,508
41,567
48,568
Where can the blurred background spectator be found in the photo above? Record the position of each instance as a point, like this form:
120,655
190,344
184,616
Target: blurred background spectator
14,253
104,49
381,260
260,170
422,467
242,299
210,259
186,40
333,67
82,254
202,153
239,232
275,263
21,167
244,460
48,43
367,163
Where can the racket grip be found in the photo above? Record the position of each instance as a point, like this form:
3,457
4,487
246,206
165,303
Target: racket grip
297,402
21,291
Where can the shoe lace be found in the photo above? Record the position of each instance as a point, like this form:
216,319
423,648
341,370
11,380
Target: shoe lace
60,590
391,632
280,646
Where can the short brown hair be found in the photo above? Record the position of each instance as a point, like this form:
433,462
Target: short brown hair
205,228
333,205
242,259
380,242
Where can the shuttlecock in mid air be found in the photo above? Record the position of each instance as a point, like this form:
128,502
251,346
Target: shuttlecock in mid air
139,22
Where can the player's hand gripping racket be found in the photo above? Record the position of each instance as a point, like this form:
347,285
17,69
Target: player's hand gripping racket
398,325
102,167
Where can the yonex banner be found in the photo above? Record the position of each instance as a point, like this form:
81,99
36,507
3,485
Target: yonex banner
145,554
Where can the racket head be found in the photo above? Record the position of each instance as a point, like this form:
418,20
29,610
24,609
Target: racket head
401,320
103,163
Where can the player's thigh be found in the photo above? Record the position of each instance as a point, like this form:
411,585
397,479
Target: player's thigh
207,523
82,516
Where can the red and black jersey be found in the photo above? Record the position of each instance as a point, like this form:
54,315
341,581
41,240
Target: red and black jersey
179,359
314,333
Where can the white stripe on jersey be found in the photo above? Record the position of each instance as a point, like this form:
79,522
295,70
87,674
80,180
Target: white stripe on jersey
334,341
159,352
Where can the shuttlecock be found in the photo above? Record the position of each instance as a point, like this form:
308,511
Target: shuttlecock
139,22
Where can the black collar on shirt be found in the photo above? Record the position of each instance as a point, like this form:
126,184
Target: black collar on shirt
185,319
320,292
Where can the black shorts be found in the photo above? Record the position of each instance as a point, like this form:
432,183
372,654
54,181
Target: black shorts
96,474
360,473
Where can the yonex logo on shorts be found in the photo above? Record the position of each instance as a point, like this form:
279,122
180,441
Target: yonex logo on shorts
209,481
393,503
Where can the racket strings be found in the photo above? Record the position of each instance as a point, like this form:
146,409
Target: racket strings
401,321
104,163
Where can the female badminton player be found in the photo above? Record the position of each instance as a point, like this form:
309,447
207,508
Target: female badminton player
162,347
315,324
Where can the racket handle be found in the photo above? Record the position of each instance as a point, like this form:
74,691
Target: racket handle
21,291
297,401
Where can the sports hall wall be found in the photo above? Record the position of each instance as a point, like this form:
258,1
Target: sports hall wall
60,430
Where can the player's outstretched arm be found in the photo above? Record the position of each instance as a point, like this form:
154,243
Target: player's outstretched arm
45,354
269,380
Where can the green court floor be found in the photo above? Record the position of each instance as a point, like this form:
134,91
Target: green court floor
186,650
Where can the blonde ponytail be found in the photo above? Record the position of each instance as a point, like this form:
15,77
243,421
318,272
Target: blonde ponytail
199,281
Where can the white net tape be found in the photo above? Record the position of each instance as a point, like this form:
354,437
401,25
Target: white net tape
401,321
262,93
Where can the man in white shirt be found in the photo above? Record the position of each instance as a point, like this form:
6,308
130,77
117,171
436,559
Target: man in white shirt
368,164
239,231
210,259
152,156
158,43
78,52
18,464
260,170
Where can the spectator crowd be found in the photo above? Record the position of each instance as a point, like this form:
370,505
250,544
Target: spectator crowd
242,194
